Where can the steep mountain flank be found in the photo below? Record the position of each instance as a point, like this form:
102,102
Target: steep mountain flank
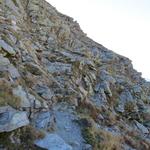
60,90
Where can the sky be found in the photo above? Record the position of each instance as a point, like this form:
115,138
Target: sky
120,25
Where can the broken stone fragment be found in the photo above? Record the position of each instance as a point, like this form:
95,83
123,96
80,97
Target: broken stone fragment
99,98
105,85
19,91
13,72
11,119
105,76
6,66
141,127
4,61
7,47
43,91
58,67
35,103
43,120
10,39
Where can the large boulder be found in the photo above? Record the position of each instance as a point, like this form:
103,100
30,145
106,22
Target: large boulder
53,142
11,119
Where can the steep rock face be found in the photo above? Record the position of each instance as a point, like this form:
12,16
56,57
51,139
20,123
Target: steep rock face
76,91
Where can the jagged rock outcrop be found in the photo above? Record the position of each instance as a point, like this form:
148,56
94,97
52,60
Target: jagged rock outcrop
61,90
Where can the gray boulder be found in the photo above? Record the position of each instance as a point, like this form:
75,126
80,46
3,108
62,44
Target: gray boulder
44,91
43,120
11,119
13,72
4,61
6,66
53,142
105,76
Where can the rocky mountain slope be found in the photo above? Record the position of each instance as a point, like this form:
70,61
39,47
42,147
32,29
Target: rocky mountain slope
60,90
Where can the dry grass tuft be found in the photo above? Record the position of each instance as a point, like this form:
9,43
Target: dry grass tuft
6,95
22,138
101,140
109,141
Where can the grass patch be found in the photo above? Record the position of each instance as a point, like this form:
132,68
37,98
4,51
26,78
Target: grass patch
20,139
88,108
101,139
130,107
109,141
7,97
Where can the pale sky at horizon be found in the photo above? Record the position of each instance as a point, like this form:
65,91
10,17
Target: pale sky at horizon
120,25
